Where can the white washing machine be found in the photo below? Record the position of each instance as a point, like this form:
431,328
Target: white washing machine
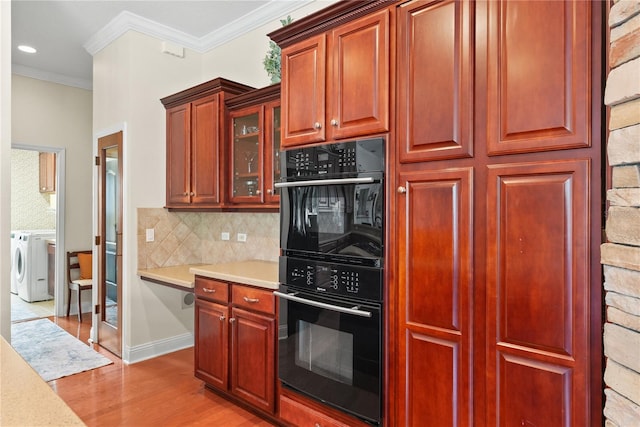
30,260
14,243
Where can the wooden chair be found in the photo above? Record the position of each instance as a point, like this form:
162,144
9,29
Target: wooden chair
75,281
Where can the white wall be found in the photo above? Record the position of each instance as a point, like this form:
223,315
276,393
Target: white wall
130,77
48,114
5,167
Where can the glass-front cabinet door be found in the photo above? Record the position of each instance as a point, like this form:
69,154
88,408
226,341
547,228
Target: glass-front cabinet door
272,151
246,155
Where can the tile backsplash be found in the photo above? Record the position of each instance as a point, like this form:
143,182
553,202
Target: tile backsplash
195,237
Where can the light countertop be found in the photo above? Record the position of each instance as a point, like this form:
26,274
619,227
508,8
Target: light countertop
27,400
259,273
177,275
263,274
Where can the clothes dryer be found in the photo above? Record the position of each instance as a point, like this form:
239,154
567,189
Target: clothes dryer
30,260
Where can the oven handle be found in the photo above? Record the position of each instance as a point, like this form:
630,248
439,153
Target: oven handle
292,296
363,180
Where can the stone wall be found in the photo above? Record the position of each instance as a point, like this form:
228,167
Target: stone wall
621,252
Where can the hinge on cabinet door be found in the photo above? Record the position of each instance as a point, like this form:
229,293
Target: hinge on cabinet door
96,309
97,240
97,160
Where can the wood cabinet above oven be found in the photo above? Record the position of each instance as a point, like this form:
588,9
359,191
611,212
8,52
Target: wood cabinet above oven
335,84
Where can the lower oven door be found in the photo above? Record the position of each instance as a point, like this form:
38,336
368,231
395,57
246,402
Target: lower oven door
330,349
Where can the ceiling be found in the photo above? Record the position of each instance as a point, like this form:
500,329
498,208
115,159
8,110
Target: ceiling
67,33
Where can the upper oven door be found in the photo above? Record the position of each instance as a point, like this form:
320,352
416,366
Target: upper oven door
335,217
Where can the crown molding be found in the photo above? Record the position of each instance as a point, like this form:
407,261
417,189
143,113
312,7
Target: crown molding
48,76
127,21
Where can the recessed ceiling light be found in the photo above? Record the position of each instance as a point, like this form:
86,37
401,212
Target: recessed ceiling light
27,49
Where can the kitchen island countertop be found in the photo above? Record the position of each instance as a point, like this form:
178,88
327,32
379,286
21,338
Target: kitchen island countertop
27,400
263,274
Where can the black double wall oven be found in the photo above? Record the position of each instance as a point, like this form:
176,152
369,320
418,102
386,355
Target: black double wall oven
331,274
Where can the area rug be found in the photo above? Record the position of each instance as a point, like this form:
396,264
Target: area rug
51,351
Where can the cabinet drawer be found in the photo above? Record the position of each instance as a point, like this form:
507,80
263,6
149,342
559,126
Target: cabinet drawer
297,414
253,299
211,289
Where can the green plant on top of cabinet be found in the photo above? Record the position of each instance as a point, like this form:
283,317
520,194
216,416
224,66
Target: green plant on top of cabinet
195,148
254,148
335,85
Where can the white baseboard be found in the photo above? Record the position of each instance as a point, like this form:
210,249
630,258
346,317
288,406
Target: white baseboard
153,349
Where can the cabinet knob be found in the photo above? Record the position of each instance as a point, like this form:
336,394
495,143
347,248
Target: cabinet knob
258,192
232,320
269,191
402,190
222,318
185,193
317,425
334,123
317,125
193,194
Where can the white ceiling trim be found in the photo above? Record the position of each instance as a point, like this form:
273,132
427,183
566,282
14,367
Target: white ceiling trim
49,76
126,21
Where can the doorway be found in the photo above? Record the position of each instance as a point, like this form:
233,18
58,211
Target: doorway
109,243
38,209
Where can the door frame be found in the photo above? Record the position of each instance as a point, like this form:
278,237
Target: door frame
123,304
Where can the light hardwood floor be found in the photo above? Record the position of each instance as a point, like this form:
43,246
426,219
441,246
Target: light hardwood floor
157,392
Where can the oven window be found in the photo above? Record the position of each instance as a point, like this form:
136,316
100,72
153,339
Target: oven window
343,220
325,351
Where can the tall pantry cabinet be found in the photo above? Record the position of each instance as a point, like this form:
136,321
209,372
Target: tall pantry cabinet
493,300
497,204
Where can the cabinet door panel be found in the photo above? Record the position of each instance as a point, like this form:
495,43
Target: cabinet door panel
435,278
206,151
253,359
435,81
303,91
538,285
533,393
211,343
359,83
539,69
178,155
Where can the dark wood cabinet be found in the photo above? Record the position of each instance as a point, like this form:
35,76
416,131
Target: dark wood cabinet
435,81
336,84
253,358
496,250
211,350
254,149
435,273
196,125
47,174
235,327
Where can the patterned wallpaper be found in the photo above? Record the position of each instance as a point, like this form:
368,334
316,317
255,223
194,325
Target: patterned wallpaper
194,237
30,209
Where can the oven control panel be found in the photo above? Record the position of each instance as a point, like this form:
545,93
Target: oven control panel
332,278
335,159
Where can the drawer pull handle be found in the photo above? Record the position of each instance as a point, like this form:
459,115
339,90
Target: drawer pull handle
209,291
251,300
